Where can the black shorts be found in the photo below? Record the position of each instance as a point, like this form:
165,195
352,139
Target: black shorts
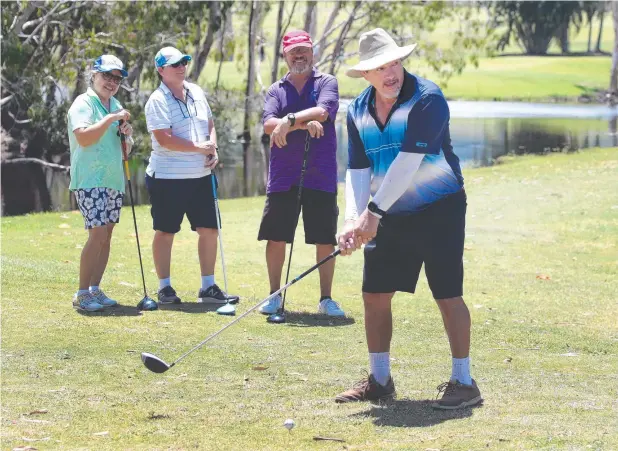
171,199
320,214
434,236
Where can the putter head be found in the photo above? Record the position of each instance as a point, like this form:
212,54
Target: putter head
227,309
147,304
154,363
277,318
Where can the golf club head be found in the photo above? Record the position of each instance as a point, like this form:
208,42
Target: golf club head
147,304
227,309
154,363
277,318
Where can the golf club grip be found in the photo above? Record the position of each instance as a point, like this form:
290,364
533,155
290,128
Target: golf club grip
123,142
292,282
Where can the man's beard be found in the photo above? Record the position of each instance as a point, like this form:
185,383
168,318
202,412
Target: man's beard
299,69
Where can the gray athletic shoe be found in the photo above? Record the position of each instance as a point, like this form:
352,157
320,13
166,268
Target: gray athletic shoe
86,302
103,299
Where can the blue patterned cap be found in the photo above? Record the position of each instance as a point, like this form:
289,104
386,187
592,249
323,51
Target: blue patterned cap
169,55
108,63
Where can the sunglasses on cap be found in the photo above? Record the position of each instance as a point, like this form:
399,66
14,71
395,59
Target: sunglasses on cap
115,79
183,62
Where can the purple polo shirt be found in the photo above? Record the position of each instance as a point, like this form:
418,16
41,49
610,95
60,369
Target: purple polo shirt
286,163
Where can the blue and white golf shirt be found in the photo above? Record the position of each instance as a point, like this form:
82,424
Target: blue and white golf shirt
188,120
418,123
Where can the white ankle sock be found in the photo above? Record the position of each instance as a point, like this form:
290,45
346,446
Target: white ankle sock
461,371
208,281
94,288
80,292
165,283
380,363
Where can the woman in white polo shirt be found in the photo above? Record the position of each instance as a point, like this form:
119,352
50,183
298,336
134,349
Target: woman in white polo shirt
178,177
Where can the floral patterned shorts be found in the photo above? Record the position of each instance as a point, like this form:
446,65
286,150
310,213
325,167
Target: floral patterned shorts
99,206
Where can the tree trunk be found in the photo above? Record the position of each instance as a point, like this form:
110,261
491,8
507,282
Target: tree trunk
339,46
221,49
613,79
563,38
253,21
321,43
214,24
589,36
274,75
602,15
310,21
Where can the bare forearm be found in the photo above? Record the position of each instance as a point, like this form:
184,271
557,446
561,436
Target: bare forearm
302,117
175,143
93,133
213,134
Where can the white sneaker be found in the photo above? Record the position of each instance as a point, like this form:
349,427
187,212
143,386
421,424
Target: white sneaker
102,299
330,308
272,305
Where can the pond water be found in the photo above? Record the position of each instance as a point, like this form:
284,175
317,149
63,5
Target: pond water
481,132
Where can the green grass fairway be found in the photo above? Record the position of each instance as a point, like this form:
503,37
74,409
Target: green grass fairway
541,284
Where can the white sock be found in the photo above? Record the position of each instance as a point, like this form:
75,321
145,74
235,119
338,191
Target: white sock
380,363
94,288
165,283
461,371
80,292
208,281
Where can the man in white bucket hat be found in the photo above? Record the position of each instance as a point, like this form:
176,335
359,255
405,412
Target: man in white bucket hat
400,153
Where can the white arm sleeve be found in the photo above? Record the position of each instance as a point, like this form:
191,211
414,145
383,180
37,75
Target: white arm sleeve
397,179
357,191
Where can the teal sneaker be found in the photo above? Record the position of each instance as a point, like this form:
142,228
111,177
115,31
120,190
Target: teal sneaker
331,308
272,305
87,303
103,299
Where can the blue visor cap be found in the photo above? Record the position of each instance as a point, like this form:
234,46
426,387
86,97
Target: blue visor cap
108,63
169,55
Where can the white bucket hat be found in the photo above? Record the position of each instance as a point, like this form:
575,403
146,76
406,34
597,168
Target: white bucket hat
376,48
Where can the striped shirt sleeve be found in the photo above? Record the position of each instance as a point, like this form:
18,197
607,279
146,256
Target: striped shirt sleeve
157,113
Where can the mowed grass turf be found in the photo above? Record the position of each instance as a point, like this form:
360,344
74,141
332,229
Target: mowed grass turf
541,283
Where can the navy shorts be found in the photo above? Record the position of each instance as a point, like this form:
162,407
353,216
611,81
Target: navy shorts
320,214
434,236
99,206
171,199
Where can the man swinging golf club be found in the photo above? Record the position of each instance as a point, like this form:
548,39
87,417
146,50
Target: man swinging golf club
178,177
303,102
400,153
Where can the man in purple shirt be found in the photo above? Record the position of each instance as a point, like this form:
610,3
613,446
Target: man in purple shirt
304,102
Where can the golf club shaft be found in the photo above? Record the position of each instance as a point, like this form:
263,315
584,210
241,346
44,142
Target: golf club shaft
286,286
298,207
128,174
218,214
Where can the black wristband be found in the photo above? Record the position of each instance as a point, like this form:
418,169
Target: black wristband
292,119
373,208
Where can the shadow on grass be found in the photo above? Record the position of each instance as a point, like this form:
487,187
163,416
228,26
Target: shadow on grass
191,307
119,310
307,319
411,413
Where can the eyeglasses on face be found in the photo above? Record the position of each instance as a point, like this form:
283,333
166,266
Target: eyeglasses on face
116,79
179,63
